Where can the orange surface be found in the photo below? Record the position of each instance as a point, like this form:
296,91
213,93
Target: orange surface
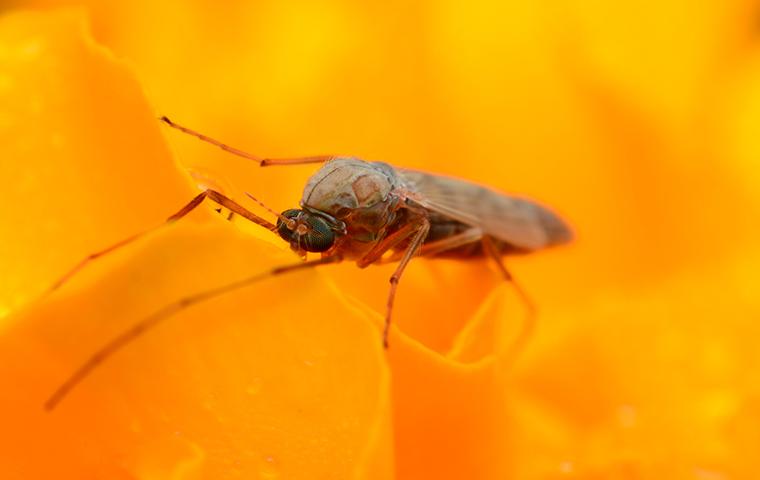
641,129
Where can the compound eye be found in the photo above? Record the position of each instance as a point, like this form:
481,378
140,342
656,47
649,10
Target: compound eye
320,236
282,227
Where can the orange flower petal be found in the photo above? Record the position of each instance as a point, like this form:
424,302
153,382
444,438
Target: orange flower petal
636,119
655,383
83,160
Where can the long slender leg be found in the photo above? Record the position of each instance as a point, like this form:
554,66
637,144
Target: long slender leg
529,324
211,194
150,322
263,162
414,246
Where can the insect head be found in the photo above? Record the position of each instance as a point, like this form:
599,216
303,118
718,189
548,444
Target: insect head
308,231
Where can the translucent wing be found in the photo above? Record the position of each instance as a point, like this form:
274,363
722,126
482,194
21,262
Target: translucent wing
517,221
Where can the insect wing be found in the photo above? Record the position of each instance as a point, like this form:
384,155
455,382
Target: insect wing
517,221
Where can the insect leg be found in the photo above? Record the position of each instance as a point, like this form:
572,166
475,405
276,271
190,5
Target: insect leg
422,229
211,194
443,245
529,323
150,322
263,162
387,243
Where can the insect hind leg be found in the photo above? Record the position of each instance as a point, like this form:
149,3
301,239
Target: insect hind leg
529,323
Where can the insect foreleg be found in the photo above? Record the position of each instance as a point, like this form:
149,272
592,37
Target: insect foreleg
263,162
150,322
197,200
529,324
422,229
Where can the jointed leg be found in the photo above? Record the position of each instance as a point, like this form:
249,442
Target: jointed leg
414,246
529,323
387,243
444,245
148,323
233,207
211,194
263,162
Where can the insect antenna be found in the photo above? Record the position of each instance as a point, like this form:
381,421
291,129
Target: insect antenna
287,221
138,329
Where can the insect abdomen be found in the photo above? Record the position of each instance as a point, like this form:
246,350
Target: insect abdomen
442,228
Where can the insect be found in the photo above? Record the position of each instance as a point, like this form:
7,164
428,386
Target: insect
366,212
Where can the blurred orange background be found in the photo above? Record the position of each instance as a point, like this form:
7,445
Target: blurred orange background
637,121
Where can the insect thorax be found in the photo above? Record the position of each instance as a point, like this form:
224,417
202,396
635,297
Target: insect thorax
347,183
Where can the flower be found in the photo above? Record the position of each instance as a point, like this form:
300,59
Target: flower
643,362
